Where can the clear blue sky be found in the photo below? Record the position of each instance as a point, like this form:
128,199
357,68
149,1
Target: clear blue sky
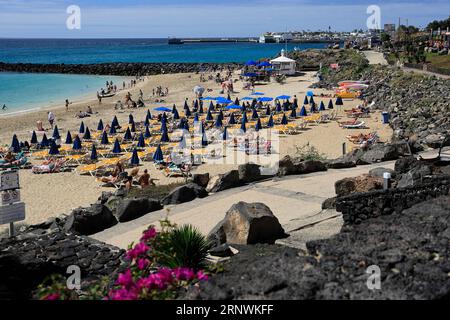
203,18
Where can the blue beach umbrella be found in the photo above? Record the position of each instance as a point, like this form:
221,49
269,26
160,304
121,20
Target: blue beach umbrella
310,94
163,109
87,134
141,141
244,117
265,99
100,126
128,135
45,142
322,106
147,132
283,97
165,136
233,107
176,115
243,126
311,100
268,112
251,63
303,112
115,122
149,115
284,120
255,114
53,149
77,144
218,123
82,129
294,113
34,139
313,108
330,104
112,130
204,140
105,140
270,123
258,125
69,139
209,116
130,119
306,102
117,149
15,145
265,64
225,136
135,158
133,127
56,133
94,155
258,94
196,118
232,120
279,109
339,101
247,99
158,155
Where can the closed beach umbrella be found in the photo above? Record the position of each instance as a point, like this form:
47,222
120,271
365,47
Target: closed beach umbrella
221,115
82,129
94,155
176,115
244,117
164,117
69,139
133,127
204,140
255,114
77,144
243,126
311,101
164,126
141,141
45,142
270,123
211,107
147,121
105,140
165,136
34,139
147,132
225,134
202,128
306,102
53,149
174,108
330,104
185,105
339,101
196,118
181,125
236,101
313,108
303,112
128,135
186,125
286,106
15,145
135,158
187,112
232,120
268,111
294,113
117,149
112,130
200,110
115,122
100,126
56,133
130,119
87,134
218,123
322,106
158,155
284,120
209,116
258,125
149,115
196,105
279,107
182,144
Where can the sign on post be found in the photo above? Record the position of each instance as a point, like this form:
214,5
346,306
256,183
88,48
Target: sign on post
12,213
9,180
11,209
10,197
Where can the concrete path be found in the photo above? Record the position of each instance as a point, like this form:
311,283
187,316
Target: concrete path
295,200
375,57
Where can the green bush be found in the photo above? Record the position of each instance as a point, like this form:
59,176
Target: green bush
309,153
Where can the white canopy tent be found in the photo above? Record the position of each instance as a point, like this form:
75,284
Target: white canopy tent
284,65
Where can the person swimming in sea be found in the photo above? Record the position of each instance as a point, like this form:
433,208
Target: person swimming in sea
4,107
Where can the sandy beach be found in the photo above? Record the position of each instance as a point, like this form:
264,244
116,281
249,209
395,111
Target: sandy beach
51,195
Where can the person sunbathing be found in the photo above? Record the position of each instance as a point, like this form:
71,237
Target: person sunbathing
115,175
145,180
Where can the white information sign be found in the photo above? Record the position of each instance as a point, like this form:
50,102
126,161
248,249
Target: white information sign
12,213
9,180
10,197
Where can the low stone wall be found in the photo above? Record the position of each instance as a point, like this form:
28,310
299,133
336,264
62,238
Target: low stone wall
362,206
117,69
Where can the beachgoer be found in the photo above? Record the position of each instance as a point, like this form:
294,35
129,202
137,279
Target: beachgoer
129,183
67,104
4,107
144,180
89,110
51,118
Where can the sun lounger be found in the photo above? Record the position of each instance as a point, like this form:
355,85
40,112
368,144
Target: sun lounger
359,125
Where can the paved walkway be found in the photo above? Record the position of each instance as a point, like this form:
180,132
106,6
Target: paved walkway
295,200
375,57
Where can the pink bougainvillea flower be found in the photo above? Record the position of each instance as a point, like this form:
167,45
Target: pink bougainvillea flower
149,234
142,264
123,295
52,297
202,276
125,279
184,274
140,249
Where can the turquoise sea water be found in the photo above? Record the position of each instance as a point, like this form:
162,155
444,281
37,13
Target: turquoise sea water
22,91
29,91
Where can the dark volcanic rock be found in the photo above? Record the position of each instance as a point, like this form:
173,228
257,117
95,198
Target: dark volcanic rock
131,209
88,221
184,194
248,223
379,172
221,251
249,172
224,181
292,166
411,249
363,183
201,179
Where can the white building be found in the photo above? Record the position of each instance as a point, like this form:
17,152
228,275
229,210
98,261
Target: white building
284,65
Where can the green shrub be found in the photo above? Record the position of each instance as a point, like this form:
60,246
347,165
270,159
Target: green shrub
309,153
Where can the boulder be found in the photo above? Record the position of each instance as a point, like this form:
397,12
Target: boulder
88,221
225,181
379,172
362,183
382,152
249,172
292,166
329,204
201,179
341,163
414,176
434,141
248,223
404,165
131,209
184,194
221,251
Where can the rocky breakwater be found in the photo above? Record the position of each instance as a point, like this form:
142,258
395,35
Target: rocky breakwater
118,69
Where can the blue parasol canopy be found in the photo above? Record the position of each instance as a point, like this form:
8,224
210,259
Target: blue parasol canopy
224,101
283,97
128,135
45,142
258,94
265,64
247,99
77,144
100,126
135,158
251,63
56,133
163,109
265,99
158,155
147,132
87,134
34,139
94,155
53,148
303,112
69,139
82,129
233,107
310,94
141,141
105,140
117,149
